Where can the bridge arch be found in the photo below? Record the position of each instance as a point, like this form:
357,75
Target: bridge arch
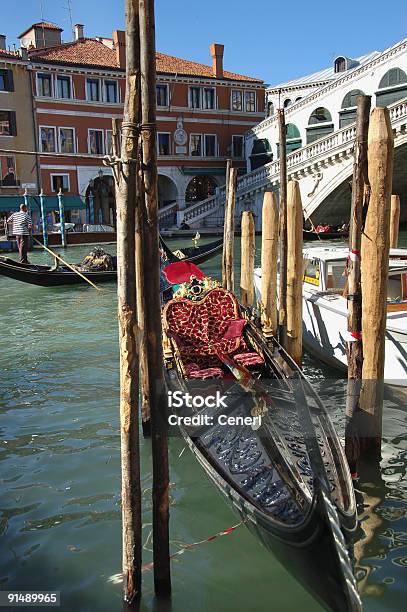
320,124
392,87
347,114
167,191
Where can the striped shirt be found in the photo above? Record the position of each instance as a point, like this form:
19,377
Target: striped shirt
21,222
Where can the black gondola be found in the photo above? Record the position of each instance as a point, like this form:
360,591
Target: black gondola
288,480
311,235
47,276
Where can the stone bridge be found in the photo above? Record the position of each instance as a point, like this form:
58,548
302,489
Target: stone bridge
323,169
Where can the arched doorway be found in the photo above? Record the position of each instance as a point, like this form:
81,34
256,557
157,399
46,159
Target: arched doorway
199,188
167,191
104,200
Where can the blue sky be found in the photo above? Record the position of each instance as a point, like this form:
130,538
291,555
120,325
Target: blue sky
275,41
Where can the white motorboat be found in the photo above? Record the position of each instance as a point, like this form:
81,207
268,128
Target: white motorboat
325,309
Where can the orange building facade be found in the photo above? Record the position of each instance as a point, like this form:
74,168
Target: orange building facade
203,113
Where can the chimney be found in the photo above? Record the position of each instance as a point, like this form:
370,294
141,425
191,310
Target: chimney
2,42
217,60
119,41
78,29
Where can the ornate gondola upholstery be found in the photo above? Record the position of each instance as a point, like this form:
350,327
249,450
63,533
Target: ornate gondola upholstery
200,330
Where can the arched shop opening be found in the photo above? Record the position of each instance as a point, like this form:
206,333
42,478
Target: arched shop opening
347,114
392,87
199,188
320,124
293,139
167,191
104,201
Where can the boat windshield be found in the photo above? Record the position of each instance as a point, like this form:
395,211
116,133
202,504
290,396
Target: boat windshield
311,271
336,275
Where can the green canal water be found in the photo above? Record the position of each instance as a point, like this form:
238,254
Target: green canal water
60,476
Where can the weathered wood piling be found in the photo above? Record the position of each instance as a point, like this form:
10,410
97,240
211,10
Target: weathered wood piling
269,256
375,266
394,221
294,272
360,195
126,195
151,266
248,251
229,241
282,294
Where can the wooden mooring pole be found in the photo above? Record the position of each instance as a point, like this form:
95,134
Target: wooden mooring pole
228,244
375,267
360,196
394,221
269,256
294,271
228,167
248,250
158,398
126,193
282,294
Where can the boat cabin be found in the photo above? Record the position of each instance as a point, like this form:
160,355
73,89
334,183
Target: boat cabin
325,271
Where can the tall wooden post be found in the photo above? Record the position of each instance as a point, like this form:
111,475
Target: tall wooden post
158,399
294,271
126,193
394,221
43,218
61,207
248,250
228,167
375,268
360,194
269,255
228,245
282,294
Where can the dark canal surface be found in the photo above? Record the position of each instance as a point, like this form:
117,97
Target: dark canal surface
60,476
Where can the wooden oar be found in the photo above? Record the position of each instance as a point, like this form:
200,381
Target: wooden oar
66,264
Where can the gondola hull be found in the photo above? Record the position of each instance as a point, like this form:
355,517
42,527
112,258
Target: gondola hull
45,276
287,478
309,235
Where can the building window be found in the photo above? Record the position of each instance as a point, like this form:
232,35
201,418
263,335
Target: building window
8,172
47,139
109,142
67,140
63,87
237,102
95,142
270,109
6,80
8,126
44,85
210,145
163,140
60,182
111,91
298,99
93,90
195,146
195,97
347,114
340,64
287,102
209,98
238,146
162,95
249,101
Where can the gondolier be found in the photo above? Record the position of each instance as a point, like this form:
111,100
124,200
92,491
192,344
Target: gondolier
22,225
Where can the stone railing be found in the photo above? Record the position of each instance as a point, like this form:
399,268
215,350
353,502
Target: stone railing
167,215
315,152
338,83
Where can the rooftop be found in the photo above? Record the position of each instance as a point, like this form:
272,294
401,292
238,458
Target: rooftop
94,53
42,24
325,75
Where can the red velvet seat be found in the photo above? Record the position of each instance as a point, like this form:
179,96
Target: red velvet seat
199,329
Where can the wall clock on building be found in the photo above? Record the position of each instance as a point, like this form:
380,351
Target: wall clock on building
180,135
